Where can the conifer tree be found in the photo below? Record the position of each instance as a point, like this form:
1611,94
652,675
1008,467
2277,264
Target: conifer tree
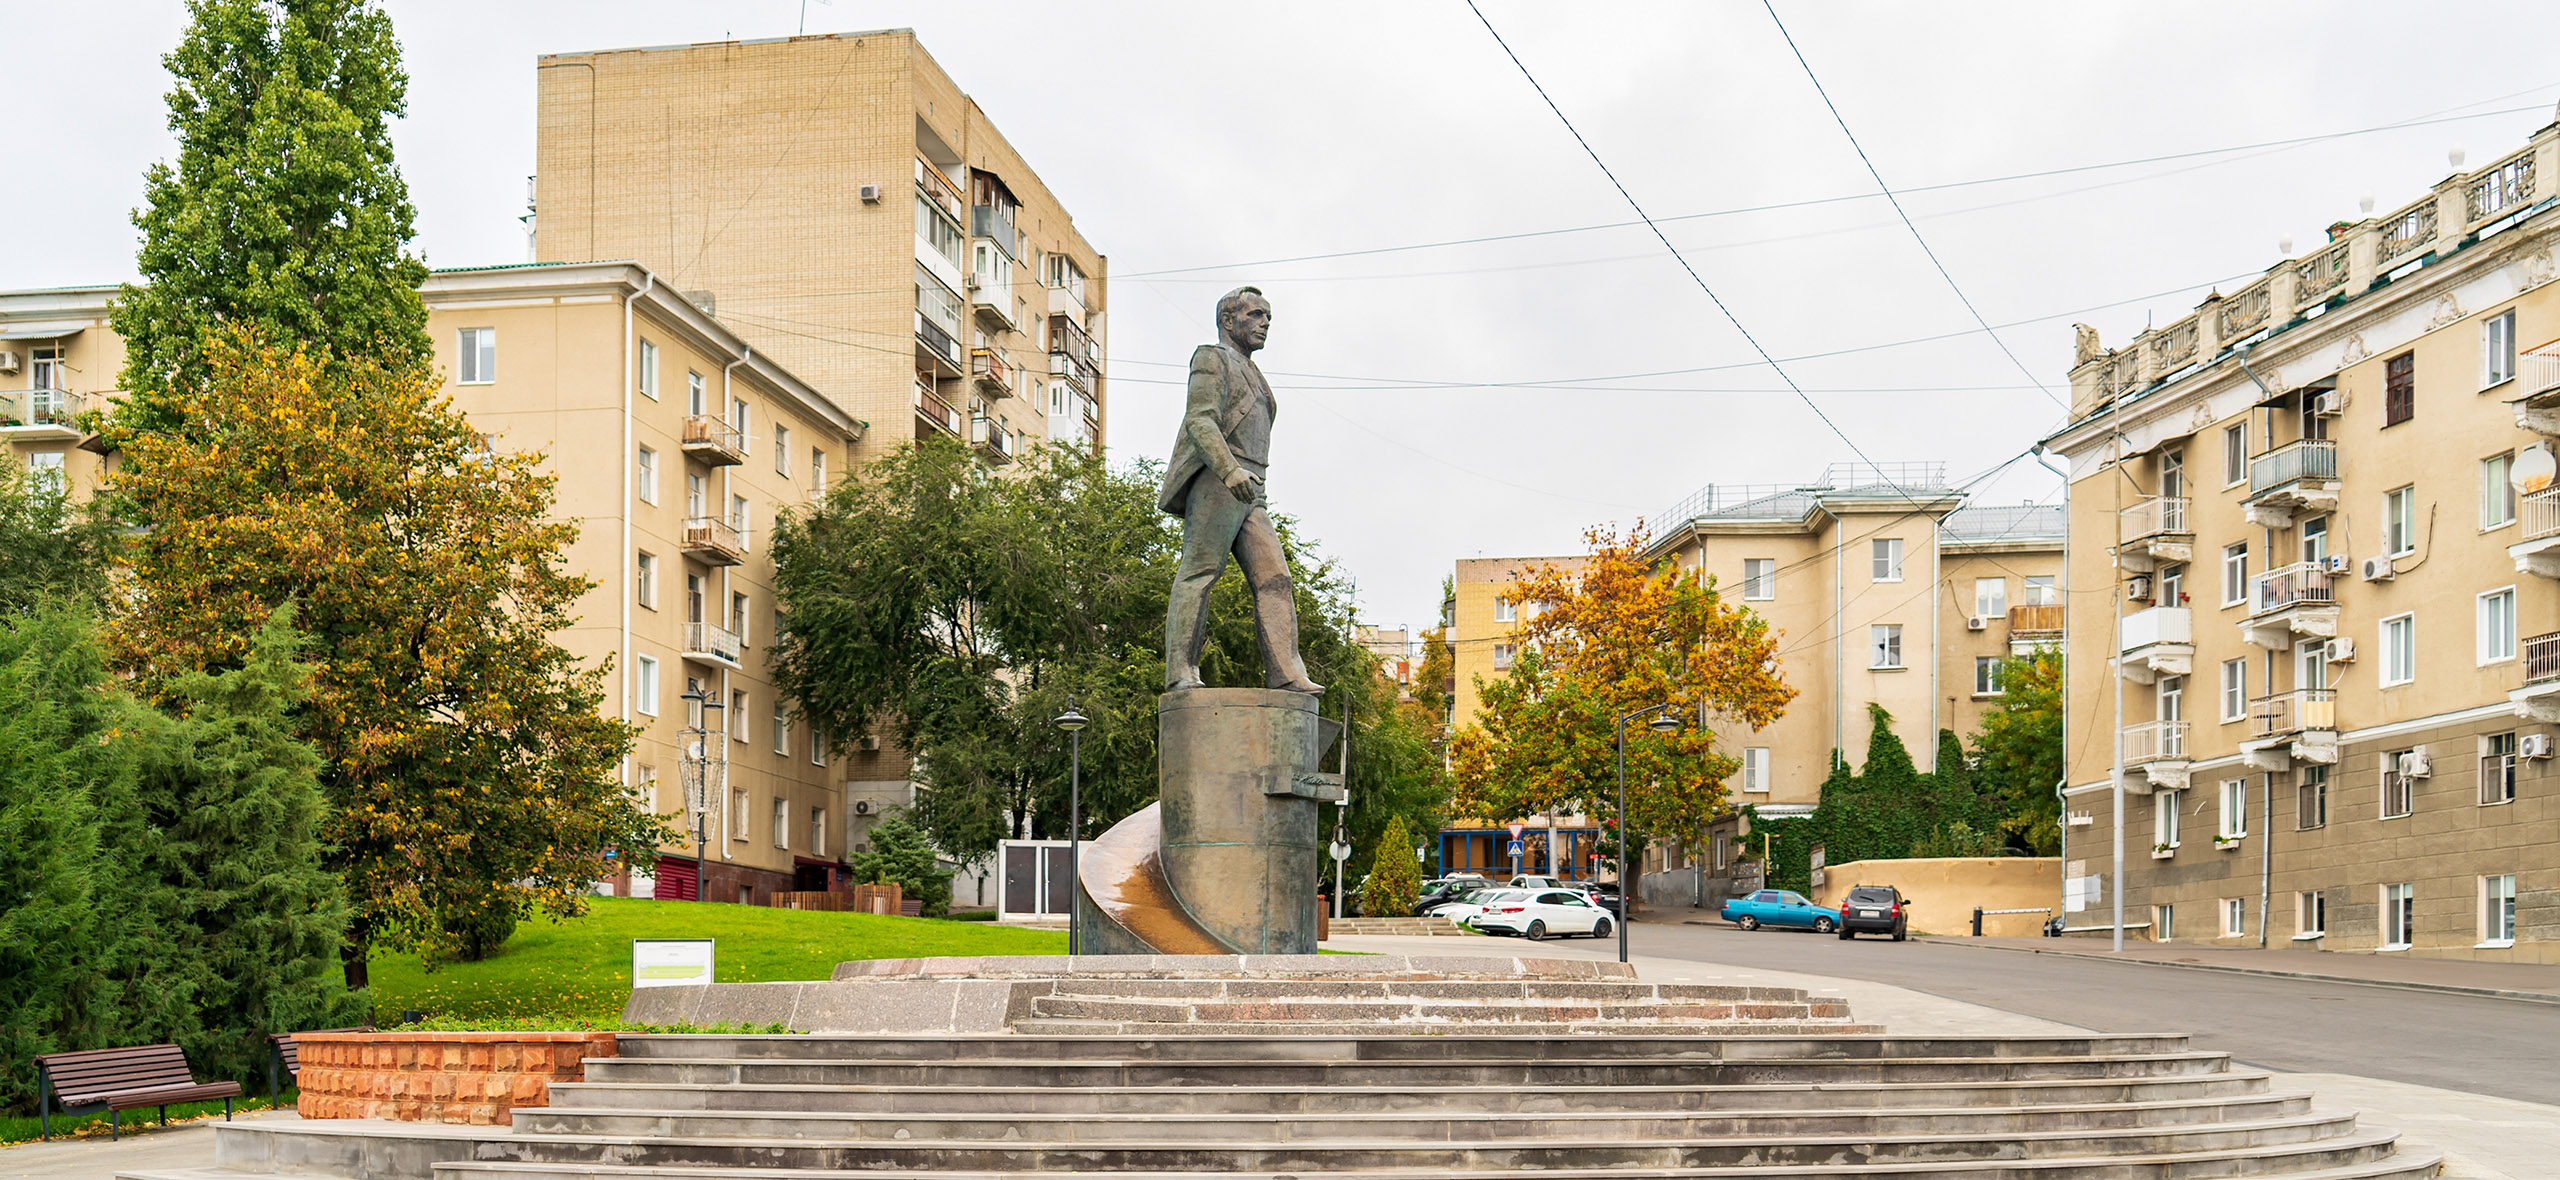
49,936
1395,879
284,208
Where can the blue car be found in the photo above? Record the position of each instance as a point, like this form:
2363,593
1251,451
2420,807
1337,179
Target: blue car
1780,907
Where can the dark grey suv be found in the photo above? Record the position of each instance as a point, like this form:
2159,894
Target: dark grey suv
1875,909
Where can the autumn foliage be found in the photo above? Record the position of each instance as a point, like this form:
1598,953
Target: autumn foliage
1608,636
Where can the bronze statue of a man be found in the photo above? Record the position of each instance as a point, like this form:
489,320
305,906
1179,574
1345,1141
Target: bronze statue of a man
1215,485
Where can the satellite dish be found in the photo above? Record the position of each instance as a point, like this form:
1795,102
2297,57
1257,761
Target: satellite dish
2533,469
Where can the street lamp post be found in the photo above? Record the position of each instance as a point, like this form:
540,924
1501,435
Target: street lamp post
1073,723
1626,896
701,739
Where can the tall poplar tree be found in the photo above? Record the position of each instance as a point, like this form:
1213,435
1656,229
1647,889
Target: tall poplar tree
284,208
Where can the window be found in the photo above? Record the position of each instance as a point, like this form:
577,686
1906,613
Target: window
648,373
696,397
46,368
2398,790
2400,520
2235,574
782,451
2235,689
737,715
1986,676
644,579
817,831
818,469
2233,822
2498,910
45,473
738,820
1990,597
1886,641
2310,914
693,598
1887,559
1755,769
781,732
2497,769
738,617
817,746
2039,591
2399,389
2399,916
2164,819
738,520
477,354
2496,611
2497,491
644,685
644,476
2235,454
739,416
1503,653
697,493
2173,585
2235,917
2497,349
781,823
2311,799
1505,610
2399,649
2315,540
2173,474
1759,579
2172,700
2164,922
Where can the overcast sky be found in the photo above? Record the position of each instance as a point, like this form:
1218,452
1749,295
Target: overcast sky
1494,398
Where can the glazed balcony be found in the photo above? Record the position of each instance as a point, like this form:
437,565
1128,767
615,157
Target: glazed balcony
714,440
2159,750
991,292
2288,728
1068,336
2155,533
2539,699
1072,370
936,348
989,374
2538,515
2294,601
714,540
2157,642
993,440
2298,477
711,643
933,414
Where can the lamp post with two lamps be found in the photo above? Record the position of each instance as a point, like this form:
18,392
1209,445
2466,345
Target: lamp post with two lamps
1626,892
702,739
1073,723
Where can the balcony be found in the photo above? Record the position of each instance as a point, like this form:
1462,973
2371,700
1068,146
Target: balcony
2292,602
1068,302
936,349
714,441
1068,336
989,373
2031,627
1073,371
2157,642
2290,727
2539,699
991,293
2539,552
933,186
2298,477
2159,749
2154,533
993,440
41,414
2538,381
934,414
711,643
714,540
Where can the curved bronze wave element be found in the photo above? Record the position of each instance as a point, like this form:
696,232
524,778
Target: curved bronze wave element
1124,880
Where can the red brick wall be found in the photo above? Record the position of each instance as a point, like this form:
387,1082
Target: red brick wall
439,1077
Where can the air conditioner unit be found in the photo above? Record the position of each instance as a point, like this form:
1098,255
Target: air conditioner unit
2377,569
2330,404
2416,764
871,194
2534,745
869,742
1977,623
2138,587
862,807
8,362
2340,563
2342,650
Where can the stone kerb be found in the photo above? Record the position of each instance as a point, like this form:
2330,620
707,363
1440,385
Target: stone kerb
1416,967
439,1077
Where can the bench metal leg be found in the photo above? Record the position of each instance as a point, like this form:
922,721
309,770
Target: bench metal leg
44,1106
226,1110
164,1114
115,1124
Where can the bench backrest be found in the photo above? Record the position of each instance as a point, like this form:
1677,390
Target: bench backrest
290,1053
78,1077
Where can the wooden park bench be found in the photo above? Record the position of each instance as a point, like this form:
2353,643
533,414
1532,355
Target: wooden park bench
118,1080
285,1058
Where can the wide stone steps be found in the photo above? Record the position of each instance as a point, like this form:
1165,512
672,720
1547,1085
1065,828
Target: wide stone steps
1176,1048
1399,1010
1586,991
1581,1028
2403,1168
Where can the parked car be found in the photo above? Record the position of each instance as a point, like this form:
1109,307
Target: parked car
1875,909
1468,906
1446,889
1459,904
1536,913
1533,881
1780,907
1605,896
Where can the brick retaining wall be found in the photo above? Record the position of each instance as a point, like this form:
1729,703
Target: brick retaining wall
439,1077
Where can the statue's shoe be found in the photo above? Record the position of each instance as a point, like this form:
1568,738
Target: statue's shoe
1302,684
1181,683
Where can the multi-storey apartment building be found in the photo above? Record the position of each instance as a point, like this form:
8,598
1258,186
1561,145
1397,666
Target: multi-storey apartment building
844,207
1886,587
677,446
2327,680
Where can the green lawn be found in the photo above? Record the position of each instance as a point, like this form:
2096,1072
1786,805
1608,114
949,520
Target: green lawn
582,968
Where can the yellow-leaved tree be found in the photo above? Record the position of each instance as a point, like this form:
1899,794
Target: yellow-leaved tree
1609,636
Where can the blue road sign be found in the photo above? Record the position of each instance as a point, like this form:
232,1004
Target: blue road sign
1516,849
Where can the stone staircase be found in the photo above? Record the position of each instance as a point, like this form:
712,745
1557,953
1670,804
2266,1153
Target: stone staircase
1470,1105
1355,1007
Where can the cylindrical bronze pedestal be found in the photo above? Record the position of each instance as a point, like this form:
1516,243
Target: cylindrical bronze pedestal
1236,770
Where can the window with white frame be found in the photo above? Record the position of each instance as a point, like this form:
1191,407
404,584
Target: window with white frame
737,715
2310,914
2399,649
2164,922
2399,791
738,814
817,746
2496,634
2400,521
738,513
2235,689
648,371
1759,579
476,352
2039,591
2497,349
644,476
2232,822
2497,768
1505,610
1990,597
697,396
2498,491
2235,917
1986,676
1504,654
817,831
697,494
782,823
1886,559
741,416
46,473
1885,645
1755,770
644,685
2311,798
782,451
781,732
2235,454
2399,916
818,469
2235,574
2164,819
738,604
644,579
2498,910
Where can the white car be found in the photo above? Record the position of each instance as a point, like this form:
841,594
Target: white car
1535,914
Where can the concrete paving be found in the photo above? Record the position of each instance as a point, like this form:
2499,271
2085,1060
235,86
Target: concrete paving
179,1145
2514,981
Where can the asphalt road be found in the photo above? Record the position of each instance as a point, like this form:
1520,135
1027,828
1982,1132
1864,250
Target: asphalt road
2474,1044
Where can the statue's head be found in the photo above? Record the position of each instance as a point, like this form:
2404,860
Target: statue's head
1244,318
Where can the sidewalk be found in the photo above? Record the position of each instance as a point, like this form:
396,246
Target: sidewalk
178,1145
2513,981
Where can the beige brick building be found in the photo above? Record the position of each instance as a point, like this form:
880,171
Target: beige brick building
2324,504
677,447
843,206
